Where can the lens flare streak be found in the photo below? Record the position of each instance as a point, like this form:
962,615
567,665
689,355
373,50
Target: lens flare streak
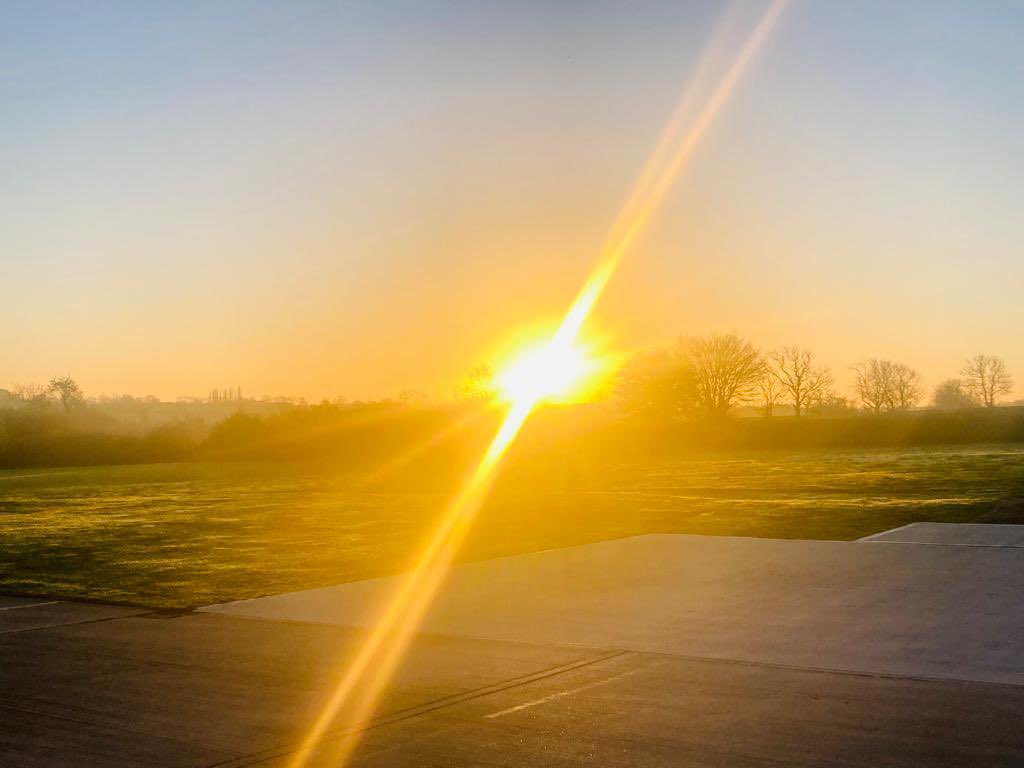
367,675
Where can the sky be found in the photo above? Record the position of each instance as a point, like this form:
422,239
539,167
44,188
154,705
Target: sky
355,199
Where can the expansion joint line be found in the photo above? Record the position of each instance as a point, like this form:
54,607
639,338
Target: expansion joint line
419,710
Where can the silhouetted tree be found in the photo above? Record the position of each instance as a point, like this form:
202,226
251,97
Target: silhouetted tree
951,395
477,385
67,391
725,369
886,385
872,384
655,383
986,378
412,397
803,380
771,390
907,387
29,393
831,406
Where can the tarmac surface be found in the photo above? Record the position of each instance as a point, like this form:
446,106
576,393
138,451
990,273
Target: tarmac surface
730,653
894,608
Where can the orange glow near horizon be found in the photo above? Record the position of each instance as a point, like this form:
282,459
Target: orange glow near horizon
550,370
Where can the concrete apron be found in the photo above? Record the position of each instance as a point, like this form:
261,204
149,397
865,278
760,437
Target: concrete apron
882,607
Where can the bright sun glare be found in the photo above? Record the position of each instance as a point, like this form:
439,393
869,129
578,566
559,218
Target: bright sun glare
552,371
561,369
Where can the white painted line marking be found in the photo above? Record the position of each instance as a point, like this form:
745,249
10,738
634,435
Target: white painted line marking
30,605
560,695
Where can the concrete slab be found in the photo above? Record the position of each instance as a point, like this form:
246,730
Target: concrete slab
198,691
645,710
961,534
201,689
34,740
649,710
898,609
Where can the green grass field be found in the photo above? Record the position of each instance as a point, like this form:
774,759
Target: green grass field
176,535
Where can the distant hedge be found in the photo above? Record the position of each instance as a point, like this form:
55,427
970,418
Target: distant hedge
446,439
32,437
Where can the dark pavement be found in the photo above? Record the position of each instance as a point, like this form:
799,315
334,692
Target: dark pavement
84,685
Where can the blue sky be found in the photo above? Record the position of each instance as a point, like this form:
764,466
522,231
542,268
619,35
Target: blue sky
352,199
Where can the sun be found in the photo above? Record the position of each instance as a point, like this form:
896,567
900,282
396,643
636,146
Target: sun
553,371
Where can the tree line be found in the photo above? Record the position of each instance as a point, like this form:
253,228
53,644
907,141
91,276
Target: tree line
55,425
63,389
714,374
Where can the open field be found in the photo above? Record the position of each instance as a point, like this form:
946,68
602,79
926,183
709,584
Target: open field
180,535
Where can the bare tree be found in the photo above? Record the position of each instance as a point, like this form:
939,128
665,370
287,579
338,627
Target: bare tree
655,383
413,397
726,370
771,390
28,393
951,395
803,380
67,391
887,385
907,387
986,378
477,385
831,406
873,382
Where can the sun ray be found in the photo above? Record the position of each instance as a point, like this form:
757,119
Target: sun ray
368,673
408,456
